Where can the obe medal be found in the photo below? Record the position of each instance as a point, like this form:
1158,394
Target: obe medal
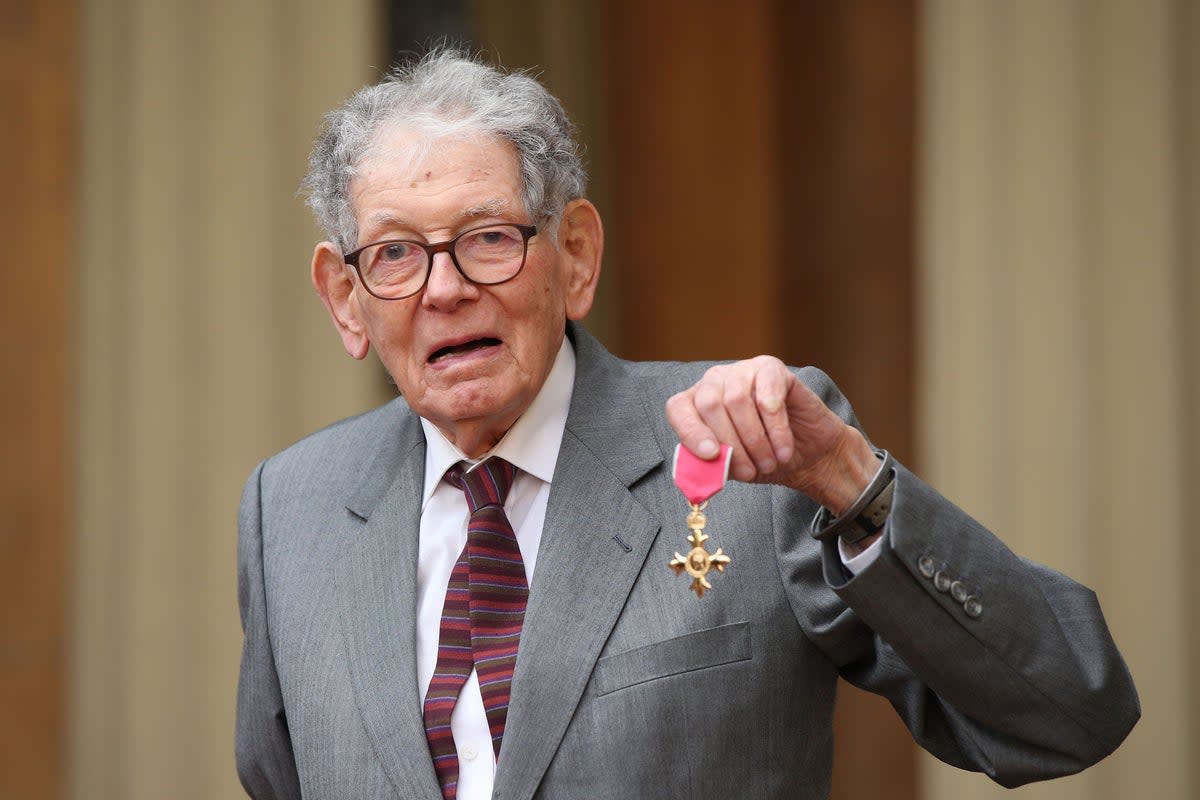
699,480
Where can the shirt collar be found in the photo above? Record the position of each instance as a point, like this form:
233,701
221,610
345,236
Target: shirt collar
531,444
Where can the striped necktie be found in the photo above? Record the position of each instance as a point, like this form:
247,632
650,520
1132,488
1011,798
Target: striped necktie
481,618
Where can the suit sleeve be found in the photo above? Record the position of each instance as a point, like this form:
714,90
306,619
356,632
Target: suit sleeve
995,663
265,762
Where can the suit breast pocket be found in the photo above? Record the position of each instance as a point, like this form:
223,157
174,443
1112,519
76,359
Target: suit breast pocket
711,647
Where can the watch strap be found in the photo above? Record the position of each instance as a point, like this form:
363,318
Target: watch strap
868,514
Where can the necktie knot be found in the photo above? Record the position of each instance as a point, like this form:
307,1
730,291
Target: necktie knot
486,485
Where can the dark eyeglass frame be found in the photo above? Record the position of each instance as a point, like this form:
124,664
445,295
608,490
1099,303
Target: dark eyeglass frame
527,233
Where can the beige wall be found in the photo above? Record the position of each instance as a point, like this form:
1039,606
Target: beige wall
201,349
1059,349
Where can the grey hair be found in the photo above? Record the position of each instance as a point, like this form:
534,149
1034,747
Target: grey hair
447,94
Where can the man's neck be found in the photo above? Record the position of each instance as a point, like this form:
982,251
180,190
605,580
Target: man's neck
531,443
477,437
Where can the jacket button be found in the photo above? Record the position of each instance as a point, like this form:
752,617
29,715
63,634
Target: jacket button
942,581
958,591
927,566
973,607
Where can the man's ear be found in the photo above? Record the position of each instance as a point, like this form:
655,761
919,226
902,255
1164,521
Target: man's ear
335,284
581,247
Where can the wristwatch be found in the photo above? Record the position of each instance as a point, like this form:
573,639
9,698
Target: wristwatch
868,514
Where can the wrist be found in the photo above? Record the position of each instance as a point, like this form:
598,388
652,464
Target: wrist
845,473
867,515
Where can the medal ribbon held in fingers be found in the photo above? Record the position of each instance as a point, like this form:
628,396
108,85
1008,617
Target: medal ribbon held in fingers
699,480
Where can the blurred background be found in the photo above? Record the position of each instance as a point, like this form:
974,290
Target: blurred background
983,218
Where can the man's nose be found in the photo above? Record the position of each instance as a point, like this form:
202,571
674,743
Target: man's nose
446,286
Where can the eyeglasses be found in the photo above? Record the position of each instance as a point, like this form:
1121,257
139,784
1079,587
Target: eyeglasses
395,269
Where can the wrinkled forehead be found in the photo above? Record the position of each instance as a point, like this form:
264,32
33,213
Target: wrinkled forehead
412,157
409,148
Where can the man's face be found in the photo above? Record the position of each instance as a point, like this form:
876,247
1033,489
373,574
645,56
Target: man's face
468,358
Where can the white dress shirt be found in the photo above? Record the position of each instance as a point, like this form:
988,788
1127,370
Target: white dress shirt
531,445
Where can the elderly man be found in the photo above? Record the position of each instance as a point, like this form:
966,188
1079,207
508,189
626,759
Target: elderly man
465,593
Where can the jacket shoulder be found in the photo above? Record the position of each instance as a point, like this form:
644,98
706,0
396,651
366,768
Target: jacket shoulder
344,450
661,379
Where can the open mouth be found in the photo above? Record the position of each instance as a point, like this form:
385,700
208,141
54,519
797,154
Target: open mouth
461,349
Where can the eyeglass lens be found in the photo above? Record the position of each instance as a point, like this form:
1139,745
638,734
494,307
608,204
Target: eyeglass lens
487,255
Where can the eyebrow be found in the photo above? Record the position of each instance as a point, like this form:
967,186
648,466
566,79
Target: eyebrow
490,208
494,207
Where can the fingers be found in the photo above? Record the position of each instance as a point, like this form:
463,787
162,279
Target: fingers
743,405
772,389
725,402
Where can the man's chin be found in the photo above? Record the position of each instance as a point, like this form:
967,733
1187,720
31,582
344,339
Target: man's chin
472,411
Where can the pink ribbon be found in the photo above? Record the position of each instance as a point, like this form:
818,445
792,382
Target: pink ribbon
697,478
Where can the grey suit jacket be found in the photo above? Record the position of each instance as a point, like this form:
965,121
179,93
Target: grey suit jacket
627,685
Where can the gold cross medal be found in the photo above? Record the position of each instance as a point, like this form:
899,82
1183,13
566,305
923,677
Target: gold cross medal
699,480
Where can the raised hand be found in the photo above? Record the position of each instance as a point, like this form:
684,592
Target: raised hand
779,429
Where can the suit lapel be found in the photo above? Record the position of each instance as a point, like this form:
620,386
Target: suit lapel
376,583
594,542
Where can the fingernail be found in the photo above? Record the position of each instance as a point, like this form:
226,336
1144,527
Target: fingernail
708,449
766,466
